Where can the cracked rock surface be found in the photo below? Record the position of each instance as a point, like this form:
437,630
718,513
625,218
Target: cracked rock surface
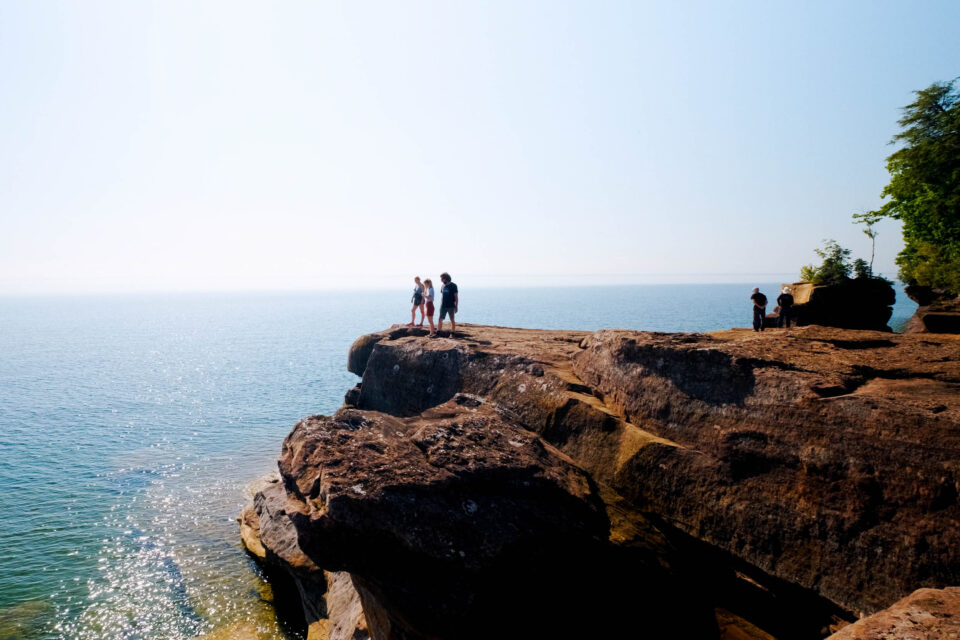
569,484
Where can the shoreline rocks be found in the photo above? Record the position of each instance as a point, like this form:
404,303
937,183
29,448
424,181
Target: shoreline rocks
938,311
321,603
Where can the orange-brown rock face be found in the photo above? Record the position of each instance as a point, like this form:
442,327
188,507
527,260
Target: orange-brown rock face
524,475
459,523
938,311
826,458
325,604
926,614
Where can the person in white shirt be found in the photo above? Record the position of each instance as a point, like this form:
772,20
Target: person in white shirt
428,298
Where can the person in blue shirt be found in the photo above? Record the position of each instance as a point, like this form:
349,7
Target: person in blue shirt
449,302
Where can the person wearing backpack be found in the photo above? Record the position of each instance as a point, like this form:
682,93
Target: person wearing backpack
759,309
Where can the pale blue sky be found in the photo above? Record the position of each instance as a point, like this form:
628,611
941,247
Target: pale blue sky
235,145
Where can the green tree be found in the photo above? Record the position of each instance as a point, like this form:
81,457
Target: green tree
861,269
835,267
924,188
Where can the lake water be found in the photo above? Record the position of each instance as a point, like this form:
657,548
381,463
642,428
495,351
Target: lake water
132,426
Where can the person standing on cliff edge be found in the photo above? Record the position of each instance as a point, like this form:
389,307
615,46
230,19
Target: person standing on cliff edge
759,309
449,302
428,296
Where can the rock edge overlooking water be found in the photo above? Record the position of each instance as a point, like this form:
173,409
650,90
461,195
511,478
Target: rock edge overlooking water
749,485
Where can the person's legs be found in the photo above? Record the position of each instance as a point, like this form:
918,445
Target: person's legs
413,314
453,324
422,314
443,314
433,329
781,317
757,318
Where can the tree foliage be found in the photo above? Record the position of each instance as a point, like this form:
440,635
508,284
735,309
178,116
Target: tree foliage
861,269
835,267
924,188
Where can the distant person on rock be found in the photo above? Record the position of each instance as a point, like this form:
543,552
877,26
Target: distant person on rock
785,302
759,309
449,302
428,296
417,301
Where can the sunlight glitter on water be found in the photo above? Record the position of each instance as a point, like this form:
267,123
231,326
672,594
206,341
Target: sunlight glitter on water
169,569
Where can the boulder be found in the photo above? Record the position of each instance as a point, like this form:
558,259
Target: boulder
862,303
323,603
458,523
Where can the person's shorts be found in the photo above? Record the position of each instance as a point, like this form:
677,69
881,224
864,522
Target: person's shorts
444,311
417,301
430,308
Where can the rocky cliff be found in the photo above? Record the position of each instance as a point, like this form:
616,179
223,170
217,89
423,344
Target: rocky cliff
937,312
862,303
520,483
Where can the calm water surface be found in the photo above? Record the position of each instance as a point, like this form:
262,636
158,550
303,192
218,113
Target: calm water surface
132,426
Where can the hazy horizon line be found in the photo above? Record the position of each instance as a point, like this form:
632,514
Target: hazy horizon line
383,287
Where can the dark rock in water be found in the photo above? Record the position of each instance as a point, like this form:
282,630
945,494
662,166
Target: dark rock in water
323,603
522,483
863,303
938,311
926,614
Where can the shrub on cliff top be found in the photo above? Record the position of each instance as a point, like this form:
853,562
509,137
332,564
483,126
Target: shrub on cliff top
835,267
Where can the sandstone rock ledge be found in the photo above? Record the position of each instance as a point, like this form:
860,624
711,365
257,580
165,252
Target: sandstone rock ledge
522,483
926,614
